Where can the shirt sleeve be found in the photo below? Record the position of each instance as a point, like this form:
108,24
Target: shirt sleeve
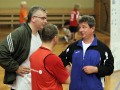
56,68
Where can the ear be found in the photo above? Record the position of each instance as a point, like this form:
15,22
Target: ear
93,29
33,19
55,37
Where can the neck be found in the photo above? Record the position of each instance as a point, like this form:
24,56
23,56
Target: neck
48,45
34,30
88,40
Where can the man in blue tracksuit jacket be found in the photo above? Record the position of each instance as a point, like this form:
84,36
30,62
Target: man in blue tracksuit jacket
91,59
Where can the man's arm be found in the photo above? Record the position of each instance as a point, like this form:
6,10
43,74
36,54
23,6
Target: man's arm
6,51
64,58
67,81
68,67
106,66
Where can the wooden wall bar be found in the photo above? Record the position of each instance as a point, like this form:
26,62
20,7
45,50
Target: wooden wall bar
55,16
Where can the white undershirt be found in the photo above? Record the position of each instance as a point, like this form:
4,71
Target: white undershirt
85,46
24,83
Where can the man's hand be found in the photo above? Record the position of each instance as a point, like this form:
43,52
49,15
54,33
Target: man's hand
90,69
68,67
22,70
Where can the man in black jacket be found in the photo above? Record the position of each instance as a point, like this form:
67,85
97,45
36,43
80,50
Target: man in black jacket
91,59
16,48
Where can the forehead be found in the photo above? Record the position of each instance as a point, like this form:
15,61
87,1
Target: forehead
40,13
83,24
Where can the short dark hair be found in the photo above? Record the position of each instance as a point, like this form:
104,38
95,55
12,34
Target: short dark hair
49,32
88,19
33,10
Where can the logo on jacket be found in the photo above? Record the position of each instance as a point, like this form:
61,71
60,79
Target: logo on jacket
77,52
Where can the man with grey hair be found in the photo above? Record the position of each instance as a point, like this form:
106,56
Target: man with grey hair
91,59
17,47
48,71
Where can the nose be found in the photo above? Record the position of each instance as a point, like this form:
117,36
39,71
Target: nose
45,21
80,29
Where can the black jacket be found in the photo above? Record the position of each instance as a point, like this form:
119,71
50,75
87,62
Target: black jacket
14,50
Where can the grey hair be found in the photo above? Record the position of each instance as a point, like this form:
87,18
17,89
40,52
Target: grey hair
88,19
33,10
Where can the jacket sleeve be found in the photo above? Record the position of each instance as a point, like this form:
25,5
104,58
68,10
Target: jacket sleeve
66,55
7,50
107,63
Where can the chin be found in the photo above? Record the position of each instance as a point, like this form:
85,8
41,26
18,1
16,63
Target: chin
41,28
82,36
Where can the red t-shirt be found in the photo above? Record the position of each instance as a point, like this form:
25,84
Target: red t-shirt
41,79
74,16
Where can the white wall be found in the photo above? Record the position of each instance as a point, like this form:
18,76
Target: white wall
115,32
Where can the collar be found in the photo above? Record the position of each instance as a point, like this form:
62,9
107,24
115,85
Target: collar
94,42
29,29
42,47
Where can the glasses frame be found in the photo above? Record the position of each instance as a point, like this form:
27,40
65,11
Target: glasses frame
43,18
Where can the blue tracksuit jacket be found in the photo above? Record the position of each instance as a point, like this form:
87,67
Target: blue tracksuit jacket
97,54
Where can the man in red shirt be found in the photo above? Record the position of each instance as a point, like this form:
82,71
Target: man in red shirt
47,69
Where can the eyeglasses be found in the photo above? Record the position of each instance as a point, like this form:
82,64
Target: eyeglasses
43,18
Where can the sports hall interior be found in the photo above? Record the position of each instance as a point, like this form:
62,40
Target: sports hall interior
58,12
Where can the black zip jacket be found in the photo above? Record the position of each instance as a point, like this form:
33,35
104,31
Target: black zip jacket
14,50
106,65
